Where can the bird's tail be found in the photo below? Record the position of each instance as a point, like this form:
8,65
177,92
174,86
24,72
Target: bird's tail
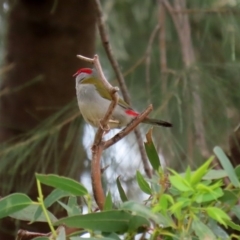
157,122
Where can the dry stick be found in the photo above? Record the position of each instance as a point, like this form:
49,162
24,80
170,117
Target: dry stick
122,85
129,128
23,234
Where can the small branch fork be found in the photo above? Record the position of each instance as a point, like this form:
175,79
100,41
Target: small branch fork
99,145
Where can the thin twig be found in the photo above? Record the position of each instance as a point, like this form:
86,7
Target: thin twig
173,16
26,235
86,59
148,60
162,39
109,52
120,78
129,128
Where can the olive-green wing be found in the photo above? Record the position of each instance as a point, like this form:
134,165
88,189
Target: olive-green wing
104,93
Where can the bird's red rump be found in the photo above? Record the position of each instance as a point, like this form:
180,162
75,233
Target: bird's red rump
132,113
83,70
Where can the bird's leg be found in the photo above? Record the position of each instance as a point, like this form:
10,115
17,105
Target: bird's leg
106,130
112,122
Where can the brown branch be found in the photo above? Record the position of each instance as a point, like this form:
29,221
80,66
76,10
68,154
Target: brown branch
120,78
96,174
129,128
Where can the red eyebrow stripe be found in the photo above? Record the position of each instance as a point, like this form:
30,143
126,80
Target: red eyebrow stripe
83,70
132,113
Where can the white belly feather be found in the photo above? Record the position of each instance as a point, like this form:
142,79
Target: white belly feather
93,107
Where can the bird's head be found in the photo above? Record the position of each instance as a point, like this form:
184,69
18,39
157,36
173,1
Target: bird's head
84,73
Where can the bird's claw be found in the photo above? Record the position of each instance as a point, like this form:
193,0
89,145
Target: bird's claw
106,130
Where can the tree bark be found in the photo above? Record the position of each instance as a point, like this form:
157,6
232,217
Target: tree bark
42,41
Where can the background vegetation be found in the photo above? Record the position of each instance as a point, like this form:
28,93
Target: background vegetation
188,68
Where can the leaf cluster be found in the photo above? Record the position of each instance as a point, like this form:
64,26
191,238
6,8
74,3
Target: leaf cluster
194,204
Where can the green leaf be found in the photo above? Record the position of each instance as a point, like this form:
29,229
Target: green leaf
63,183
232,225
13,203
215,174
229,197
151,151
136,222
67,208
202,230
227,166
188,174
209,196
237,171
109,221
176,209
236,211
54,196
28,214
201,171
144,211
179,183
73,204
108,202
219,232
112,236
218,214
143,183
122,194
163,203
61,233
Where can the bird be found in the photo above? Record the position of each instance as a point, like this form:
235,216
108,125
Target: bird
94,99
